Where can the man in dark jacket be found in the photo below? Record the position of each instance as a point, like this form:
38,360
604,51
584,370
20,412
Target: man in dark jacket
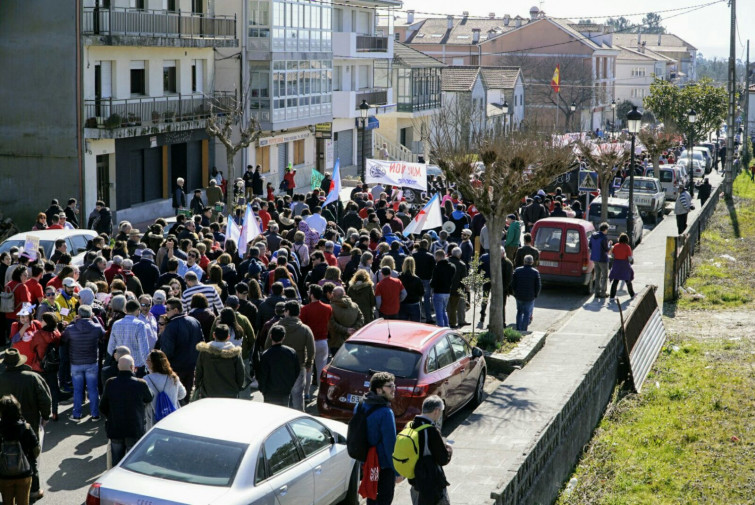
441,282
424,264
220,367
533,213
526,286
179,196
72,213
319,265
526,249
429,483
101,219
83,338
179,342
267,308
147,272
278,369
703,191
94,272
124,401
53,210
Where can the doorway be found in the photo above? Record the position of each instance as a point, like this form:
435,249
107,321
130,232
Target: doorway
103,178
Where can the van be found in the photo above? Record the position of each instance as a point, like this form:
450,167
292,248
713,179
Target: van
671,178
563,243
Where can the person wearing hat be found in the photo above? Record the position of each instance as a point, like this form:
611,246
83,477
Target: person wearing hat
146,270
67,299
22,332
31,391
134,239
197,204
466,245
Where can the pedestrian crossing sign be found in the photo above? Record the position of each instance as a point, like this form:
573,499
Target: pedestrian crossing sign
588,181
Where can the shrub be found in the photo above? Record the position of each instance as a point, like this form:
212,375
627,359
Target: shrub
487,341
511,335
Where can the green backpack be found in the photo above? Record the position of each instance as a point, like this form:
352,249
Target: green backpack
406,452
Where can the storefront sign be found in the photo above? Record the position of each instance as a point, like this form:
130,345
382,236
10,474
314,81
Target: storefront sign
280,139
397,173
324,130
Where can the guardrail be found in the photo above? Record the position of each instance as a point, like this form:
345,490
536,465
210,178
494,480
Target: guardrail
372,44
680,249
156,23
374,97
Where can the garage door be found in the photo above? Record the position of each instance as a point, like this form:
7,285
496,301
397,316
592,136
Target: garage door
345,147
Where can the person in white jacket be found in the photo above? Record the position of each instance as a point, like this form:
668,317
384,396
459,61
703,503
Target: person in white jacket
161,377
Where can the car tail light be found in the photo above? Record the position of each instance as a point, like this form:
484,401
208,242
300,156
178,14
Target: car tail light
329,378
93,496
585,265
413,391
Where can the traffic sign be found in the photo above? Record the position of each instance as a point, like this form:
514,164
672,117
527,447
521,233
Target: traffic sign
588,181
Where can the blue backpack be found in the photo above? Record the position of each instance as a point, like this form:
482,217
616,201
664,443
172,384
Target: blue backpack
163,405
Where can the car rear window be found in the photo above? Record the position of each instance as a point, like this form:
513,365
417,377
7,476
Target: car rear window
548,239
362,357
639,185
186,458
46,245
614,211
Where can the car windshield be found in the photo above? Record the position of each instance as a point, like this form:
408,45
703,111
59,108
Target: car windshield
362,357
639,185
614,211
186,458
46,245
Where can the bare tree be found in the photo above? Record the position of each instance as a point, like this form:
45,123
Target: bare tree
656,143
226,116
515,166
605,159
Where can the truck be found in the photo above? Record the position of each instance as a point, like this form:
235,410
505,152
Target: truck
649,196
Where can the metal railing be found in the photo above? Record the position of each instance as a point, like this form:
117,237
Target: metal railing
372,44
113,113
373,97
156,23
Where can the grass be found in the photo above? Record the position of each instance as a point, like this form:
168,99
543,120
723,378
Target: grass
487,342
689,436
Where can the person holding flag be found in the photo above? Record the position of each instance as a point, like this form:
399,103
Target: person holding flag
426,219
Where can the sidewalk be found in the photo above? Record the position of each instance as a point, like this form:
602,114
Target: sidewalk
490,445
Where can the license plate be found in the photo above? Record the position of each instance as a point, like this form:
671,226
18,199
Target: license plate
553,264
611,226
353,398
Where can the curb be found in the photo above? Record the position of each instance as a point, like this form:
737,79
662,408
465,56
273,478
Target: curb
516,358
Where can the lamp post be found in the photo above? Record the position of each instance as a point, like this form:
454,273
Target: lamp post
634,122
505,110
692,118
364,108
613,123
572,108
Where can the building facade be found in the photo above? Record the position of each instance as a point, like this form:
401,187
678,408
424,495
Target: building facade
636,69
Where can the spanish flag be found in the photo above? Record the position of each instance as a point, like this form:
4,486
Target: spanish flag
556,80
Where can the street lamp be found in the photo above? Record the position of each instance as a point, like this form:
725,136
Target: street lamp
572,108
613,123
505,110
364,108
692,118
634,122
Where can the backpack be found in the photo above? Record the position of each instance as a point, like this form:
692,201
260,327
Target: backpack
406,452
356,434
163,405
13,460
283,185
51,359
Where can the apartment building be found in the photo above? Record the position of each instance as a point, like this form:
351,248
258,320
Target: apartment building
636,69
120,91
681,54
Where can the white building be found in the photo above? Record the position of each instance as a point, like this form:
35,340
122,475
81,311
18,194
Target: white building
636,69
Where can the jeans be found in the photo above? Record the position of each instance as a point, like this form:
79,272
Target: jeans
411,312
321,359
428,305
440,302
119,447
385,488
297,392
601,279
523,313
81,375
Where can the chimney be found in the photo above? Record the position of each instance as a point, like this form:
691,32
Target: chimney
517,21
450,19
506,19
534,11
659,39
491,15
410,17
475,35
465,14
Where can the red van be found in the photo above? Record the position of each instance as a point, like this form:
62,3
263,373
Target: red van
563,243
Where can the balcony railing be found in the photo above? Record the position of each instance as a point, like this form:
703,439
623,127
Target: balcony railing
114,113
372,44
373,97
156,23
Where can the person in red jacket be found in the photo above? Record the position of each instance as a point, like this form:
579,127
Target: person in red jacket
316,315
289,178
47,335
20,295
389,293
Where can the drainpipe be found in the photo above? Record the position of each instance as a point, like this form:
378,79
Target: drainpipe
79,105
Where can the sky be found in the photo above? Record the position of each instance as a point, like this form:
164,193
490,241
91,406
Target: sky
706,28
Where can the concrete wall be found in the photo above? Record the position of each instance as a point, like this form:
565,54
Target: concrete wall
39,140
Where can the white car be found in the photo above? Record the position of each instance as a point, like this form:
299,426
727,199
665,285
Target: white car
698,166
234,452
76,242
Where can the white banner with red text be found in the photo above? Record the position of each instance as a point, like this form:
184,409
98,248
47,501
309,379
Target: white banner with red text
396,173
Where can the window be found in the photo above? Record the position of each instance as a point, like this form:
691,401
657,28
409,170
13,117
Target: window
444,353
572,242
432,361
197,76
459,346
169,77
280,451
263,158
312,436
548,239
138,78
299,152
362,357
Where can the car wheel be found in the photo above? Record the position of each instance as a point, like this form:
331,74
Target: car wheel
479,390
352,495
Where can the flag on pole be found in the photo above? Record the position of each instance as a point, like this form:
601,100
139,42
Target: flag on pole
335,185
427,218
232,230
249,229
556,80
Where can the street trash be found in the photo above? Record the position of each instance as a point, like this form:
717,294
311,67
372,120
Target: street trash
729,258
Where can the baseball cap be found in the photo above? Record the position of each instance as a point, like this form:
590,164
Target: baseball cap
69,282
159,296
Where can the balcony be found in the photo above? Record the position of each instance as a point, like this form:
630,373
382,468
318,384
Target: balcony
346,103
108,118
352,45
136,27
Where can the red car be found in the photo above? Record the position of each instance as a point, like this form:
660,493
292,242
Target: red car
425,359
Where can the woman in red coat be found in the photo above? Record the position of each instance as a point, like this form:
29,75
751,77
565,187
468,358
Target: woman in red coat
22,333
20,292
48,335
289,178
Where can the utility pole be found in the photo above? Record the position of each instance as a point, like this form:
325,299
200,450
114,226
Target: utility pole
728,173
746,118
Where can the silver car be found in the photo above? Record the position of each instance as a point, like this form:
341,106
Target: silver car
618,209
234,452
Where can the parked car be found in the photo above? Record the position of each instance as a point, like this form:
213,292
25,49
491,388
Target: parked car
76,242
713,150
564,251
671,177
425,359
649,197
699,163
618,210
234,452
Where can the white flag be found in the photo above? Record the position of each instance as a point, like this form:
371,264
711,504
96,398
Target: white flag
249,229
232,230
334,193
427,218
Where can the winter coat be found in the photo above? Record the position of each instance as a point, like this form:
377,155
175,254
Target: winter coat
220,370
459,275
247,339
363,295
526,283
104,222
91,274
443,277
381,427
124,402
599,247
31,391
23,432
148,273
346,315
277,370
299,338
39,344
424,264
311,237
206,320
83,337
179,340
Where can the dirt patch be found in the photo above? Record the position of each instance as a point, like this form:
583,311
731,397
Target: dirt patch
712,324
